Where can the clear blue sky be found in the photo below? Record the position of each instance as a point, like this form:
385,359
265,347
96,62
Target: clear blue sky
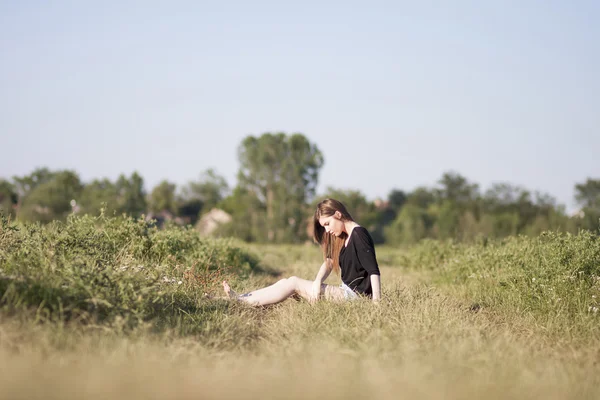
393,93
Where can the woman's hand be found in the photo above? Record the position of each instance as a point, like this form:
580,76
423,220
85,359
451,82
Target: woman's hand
376,286
315,291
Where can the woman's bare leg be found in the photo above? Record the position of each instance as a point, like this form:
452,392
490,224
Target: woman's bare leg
283,289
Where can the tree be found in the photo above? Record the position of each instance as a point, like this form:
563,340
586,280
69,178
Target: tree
26,184
505,223
208,191
508,209
189,210
448,220
502,196
98,194
282,171
421,197
456,188
396,199
415,219
53,199
162,198
247,213
8,198
131,196
587,196
411,225
198,197
469,227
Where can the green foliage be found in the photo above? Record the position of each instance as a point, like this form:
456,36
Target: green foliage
457,211
281,172
588,197
29,182
8,198
50,197
162,198
248,214
422,341
555,277
388,211
210,189
275,197
396,199
588,194
100,194
199,197
447,219
421,197
131,196
99,269
411,225
456,189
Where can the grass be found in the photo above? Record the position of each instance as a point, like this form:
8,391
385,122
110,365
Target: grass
437,334
553,280
101,270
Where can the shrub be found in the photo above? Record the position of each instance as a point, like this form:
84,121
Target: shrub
99,269
554,277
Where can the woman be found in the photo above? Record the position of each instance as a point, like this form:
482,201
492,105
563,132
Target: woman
347,248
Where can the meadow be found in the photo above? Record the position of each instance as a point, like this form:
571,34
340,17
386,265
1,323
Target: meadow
115,308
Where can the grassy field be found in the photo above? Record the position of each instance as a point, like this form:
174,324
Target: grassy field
512,319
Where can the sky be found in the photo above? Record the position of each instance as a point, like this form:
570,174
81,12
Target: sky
394,93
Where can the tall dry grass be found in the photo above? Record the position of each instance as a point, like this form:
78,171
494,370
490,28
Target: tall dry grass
429,338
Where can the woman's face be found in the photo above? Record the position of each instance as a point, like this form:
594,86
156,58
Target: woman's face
332,224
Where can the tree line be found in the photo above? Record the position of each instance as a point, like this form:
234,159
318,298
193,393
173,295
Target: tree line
275,195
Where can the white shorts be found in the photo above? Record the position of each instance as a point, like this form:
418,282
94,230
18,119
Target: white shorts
349,294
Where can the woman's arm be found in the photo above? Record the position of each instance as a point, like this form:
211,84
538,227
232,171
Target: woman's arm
376,286
323,273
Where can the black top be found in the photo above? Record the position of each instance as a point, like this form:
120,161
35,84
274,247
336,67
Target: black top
358,261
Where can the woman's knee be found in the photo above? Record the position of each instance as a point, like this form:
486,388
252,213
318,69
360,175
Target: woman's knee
293,282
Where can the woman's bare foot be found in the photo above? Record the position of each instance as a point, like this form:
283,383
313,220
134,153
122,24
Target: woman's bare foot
228,291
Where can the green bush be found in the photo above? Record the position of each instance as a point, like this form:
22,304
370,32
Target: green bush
554,277
98,269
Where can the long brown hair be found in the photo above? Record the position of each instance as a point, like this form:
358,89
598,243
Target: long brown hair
331,245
